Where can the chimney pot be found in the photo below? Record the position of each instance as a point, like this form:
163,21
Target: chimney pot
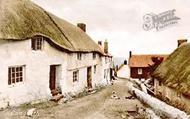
181,41
100,43
82,26
130,54
106,47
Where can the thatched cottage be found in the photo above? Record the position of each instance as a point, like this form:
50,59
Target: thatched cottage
40,53
172,77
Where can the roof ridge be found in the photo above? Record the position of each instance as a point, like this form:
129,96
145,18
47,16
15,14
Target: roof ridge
58,27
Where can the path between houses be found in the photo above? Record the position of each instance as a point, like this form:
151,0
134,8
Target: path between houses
94,106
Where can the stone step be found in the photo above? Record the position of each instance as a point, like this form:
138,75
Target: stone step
56,98
54,92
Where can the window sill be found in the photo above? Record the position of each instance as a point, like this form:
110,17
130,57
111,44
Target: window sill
37,50
16,85
75,82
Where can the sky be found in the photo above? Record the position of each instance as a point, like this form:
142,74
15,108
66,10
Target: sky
121,21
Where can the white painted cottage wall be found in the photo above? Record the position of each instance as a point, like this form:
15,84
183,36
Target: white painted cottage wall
37,67
106,69
82,65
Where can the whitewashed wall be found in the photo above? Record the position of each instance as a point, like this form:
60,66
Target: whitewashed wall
82,65
106,65
37,67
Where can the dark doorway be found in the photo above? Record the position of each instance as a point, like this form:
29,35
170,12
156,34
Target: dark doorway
52,77
89,77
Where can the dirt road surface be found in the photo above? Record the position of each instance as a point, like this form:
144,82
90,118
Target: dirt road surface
100,105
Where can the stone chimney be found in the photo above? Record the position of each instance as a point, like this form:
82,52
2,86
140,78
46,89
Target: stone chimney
106,46
130,54
82,26
100,43
181,41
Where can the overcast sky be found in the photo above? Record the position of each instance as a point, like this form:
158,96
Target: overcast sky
120,21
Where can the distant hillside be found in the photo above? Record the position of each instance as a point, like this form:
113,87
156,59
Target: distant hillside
118,60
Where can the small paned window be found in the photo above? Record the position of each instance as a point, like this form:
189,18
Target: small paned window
15,74
75,76
37,43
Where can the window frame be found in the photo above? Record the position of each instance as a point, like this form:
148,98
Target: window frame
16,74
37,43
140,71
76,76
106,60
79,56
94,56
95,69
105,74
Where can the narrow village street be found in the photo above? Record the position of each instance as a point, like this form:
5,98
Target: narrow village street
100,105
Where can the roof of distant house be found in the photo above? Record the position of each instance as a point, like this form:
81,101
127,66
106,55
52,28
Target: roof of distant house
143,60
22,19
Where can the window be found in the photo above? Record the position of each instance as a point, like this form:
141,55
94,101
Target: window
105,75
106,60
79,56
94,55
75,76
37,43
15,74
139,71
94,68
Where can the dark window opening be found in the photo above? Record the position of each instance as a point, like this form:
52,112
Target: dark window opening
94,55
79,56
94,69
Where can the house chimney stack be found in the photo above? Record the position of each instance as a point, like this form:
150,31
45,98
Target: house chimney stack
100,43
82,26
181,41
130,54
106,46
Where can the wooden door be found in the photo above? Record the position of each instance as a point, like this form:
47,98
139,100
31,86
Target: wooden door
89,77
52,77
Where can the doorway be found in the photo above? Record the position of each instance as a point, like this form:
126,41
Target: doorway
89,77
52,77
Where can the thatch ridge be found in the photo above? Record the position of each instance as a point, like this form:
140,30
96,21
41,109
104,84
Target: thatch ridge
175,70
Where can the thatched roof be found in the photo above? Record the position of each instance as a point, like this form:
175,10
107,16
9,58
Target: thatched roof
175,70
22,19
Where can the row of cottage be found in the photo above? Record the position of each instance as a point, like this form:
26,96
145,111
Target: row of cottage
41,53
171,77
